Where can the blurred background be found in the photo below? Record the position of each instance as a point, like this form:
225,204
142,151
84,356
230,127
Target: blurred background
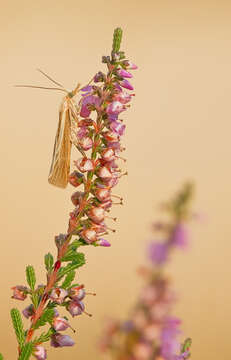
177,129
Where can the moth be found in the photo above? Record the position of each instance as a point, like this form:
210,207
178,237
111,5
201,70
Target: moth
65,135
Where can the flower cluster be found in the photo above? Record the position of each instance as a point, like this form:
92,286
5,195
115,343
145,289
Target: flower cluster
151,332
97,137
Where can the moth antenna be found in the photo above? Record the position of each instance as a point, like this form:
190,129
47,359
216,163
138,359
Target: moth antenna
41,87
50,78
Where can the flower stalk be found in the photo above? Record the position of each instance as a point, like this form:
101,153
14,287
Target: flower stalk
151,332
97,136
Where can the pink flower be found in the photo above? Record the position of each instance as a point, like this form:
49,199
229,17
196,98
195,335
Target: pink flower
40,353
89,235
77,197
117,127
77,293
124,74
123,97
58,295
103,194
76,178
106,205
82,132
130,65
59,340
104,173
76,308
115,108
19,292
60,324
88,104
86,143
108,154
96,214
84,164
126,84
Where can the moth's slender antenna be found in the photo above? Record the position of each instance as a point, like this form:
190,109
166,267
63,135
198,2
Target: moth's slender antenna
41,87
48,77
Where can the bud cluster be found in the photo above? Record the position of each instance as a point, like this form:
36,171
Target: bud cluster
151,332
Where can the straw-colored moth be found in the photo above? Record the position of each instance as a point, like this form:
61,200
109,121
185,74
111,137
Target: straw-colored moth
65,135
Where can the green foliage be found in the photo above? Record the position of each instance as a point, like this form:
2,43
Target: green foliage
79,261
49,261
30,276
68,280
18,326
186,345
117,37
26,351
46,317
72,255
1,357
35,299
45,336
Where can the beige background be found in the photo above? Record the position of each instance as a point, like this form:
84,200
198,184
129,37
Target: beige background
178,128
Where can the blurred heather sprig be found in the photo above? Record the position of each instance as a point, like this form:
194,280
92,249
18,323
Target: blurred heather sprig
98,138
151,332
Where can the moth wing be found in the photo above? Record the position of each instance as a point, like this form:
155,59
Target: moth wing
60,166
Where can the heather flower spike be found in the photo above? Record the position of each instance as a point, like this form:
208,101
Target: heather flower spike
152,332
95,130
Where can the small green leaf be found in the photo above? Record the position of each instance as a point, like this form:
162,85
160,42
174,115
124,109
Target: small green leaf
30,276
72,256
68,280
49,261
72,266
18,325
35,299
46,317
26,351
1,357
186,345
117,37
44,336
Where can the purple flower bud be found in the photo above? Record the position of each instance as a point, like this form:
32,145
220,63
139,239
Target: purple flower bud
60,324
124,74
126,84
180,236
59,340
40,353
103,242
76,308
130,65
86,88
28,311
158,253
99,77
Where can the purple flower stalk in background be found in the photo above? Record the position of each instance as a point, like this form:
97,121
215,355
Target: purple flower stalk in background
97,136
151,332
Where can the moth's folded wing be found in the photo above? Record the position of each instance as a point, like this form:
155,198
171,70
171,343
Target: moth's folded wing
60,166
